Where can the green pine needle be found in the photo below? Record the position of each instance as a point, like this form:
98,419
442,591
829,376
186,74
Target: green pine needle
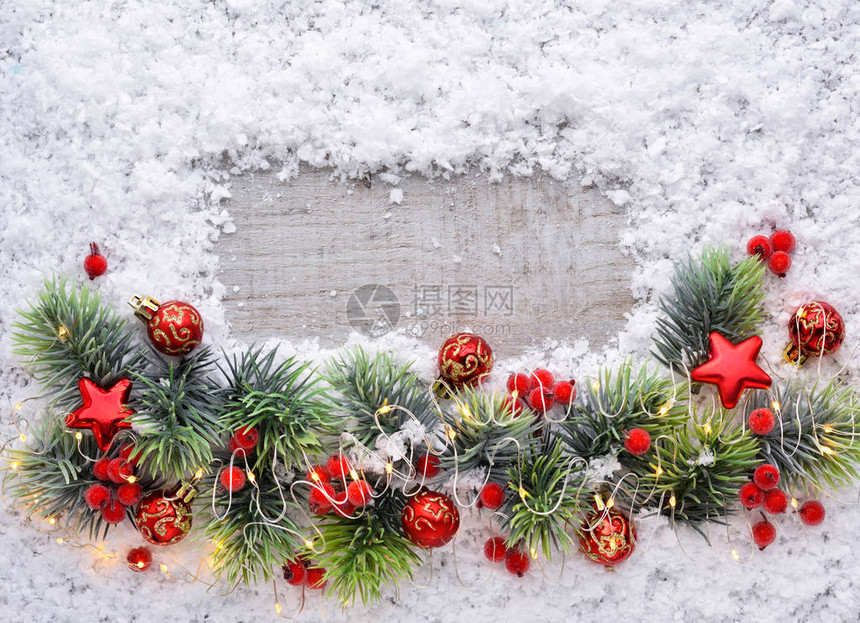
708,295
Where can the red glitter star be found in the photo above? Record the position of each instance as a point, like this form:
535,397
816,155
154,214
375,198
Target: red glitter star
732,368
103,410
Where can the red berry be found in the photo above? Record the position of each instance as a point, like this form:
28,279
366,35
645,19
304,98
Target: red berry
782,240
321,498
359,493
95,264
495,549
761,421
338,467
541,400
543,379
125,455
564,393
317,474
246,438
97,496
766,477
750,495
295,572
779,263
234,448
811,513
315,578
760,245
232,479
763,534
637,441
113,512
139,559
129,493
344,509
514,406
428,465
517,562
492,496
100,469
119,471
775,501
520,382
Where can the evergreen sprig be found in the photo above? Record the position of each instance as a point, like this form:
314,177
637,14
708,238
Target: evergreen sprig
816,440
708,295
68,334
177,415
364,554
366,383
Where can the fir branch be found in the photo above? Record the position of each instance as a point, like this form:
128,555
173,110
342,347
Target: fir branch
708,295
548,490
364,554
176,414
816,440
67,334
365,384
486,434
283,401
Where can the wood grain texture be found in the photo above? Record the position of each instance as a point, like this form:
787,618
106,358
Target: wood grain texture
516,261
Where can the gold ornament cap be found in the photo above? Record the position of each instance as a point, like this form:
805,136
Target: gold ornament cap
794,355
145,307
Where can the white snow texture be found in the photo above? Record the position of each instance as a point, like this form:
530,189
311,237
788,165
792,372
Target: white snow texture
122,121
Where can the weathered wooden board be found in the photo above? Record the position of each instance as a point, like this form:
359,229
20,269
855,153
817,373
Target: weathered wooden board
516,261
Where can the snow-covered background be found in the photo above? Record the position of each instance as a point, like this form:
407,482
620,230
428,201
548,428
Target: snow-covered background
123,121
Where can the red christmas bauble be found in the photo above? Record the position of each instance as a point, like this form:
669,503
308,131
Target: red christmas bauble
139,559
430,519
162,518
175,328
611,538
815,329
464,359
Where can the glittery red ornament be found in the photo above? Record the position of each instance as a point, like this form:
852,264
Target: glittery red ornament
430,519
174,328
163,518
732,368
607,537
464,359
815,329
103,410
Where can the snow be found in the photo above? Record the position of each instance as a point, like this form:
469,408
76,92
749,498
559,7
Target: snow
124,122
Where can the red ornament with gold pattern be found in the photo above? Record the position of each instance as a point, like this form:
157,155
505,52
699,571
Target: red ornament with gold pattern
815,329
464,359
430,519
607,537
164,518
175,328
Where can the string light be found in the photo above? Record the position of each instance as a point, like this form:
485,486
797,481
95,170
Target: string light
736,555
353,474
826,451
665,408
672,501
523,493
389,468
610,502
385,408
515,394
163,568
277,608
62,333
309,544
132,479
450,432
19,405
775,405
595,386
141,564
707,427
793,502
598,501
251,478
828,428
52,521
465,412
659,471
59,540
198,474
79,435
15,465
534,553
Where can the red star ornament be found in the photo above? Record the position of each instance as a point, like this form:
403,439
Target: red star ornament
103,410
732,368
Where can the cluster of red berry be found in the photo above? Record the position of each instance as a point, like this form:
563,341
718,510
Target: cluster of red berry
243,442
301,572
331,491
542,392
775,250
516,560
120,490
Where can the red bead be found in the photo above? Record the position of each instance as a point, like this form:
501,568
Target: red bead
495,549
295,572
232,479
761,421
113,512
465,359
637,441
775,501
766,477
520,382
344,508
430,519
543,378
811,513
321,498
750,495
779,263
359,493
541,400
517,562
513,405
564,393
246,438
315,578
139,559
162,518
492,496
317,473
338,467
100,469
763,534
427,465
782,240
234,448
760,246
119,471
125,455
129,493
95,264
97,496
